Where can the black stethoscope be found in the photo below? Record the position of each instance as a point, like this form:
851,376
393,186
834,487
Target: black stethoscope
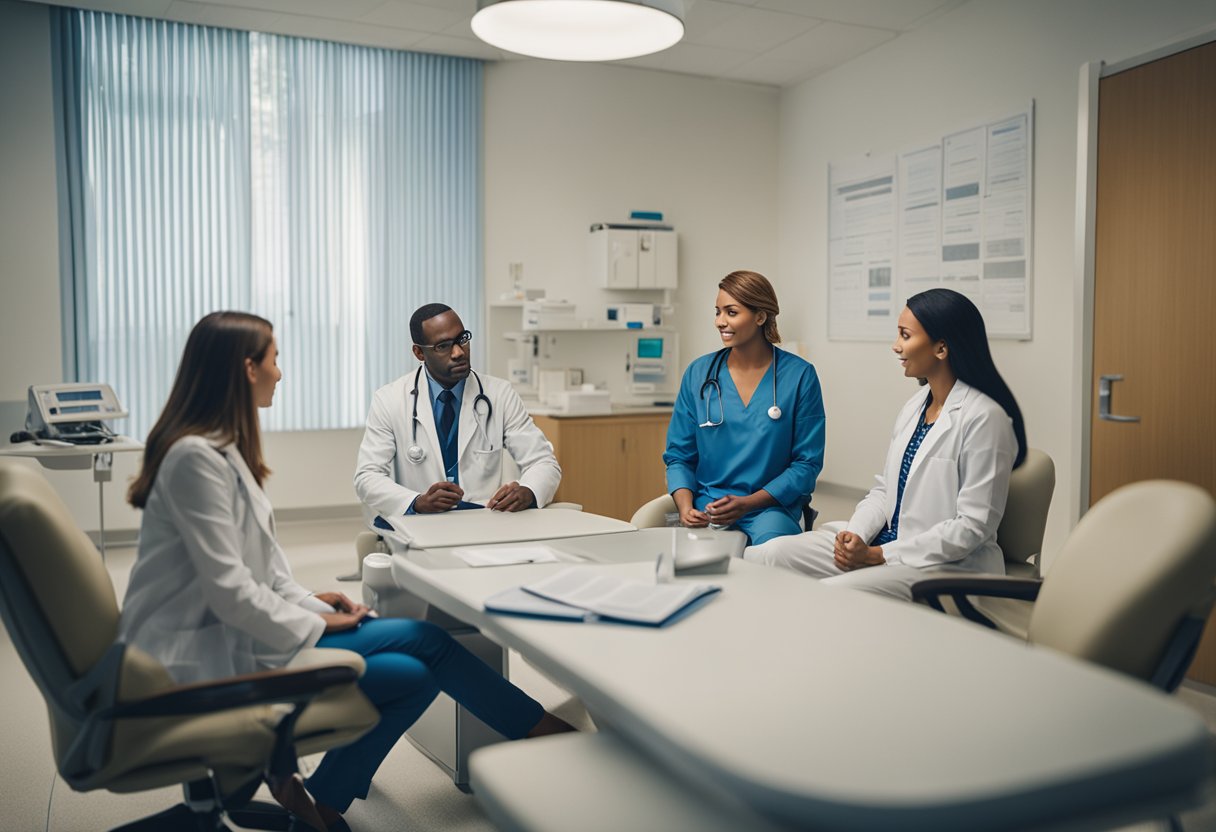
711,383
415,452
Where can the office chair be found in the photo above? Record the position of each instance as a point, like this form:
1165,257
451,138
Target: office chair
1020,537
1131,588
653,514
118,721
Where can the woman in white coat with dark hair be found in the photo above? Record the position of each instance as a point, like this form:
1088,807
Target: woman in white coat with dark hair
211,593
941,495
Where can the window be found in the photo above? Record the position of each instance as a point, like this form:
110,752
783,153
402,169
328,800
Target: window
327,187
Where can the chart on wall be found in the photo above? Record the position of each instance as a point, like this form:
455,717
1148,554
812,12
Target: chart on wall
955,214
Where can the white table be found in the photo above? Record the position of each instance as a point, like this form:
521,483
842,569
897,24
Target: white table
446,732
99,457
820,707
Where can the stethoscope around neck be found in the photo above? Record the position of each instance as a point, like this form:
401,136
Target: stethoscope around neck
415,453
712,385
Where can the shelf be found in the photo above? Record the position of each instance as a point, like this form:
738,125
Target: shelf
526,334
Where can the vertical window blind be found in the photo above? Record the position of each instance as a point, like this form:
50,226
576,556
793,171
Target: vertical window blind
330,188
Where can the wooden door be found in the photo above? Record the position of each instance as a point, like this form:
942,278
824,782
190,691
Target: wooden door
1155,280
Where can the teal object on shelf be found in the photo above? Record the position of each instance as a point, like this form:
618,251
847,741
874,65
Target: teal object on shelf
649,216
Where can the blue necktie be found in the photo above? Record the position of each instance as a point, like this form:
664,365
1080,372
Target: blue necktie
447,433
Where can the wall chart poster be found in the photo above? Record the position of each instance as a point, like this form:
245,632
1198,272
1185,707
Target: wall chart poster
955,214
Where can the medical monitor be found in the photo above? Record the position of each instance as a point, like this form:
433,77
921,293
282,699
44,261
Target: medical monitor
650,348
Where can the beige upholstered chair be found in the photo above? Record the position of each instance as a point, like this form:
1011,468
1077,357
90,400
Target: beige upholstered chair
653,514
1131,588
1020,537
118,721
1020,534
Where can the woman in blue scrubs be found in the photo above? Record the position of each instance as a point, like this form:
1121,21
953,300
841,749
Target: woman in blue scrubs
745,443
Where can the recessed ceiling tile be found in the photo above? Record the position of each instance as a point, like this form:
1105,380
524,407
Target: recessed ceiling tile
206,14
465,7
333,9
137,8
344,31
414,16
756,30
706,15
692,59
765,70
885,14
460,47
828,45
695,59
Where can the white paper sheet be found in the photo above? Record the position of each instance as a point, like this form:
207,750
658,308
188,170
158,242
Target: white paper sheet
505,555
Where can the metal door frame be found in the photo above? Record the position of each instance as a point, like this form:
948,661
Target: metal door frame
1083,248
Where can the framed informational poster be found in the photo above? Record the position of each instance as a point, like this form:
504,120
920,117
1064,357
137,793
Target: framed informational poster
955,214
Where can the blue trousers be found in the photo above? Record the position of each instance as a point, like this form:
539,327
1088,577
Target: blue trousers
764,524
408,663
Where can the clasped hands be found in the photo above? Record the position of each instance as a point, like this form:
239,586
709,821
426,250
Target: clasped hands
851,552
721,512
347,613
444,496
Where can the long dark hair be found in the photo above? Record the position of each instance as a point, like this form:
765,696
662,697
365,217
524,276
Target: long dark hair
949,316
211,395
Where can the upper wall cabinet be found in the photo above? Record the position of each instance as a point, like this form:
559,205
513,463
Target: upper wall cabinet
632,256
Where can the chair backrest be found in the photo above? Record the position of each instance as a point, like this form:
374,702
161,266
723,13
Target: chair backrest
1140,562
1020,534
653,514
56,596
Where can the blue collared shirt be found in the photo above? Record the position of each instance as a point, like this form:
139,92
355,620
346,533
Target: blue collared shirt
437,408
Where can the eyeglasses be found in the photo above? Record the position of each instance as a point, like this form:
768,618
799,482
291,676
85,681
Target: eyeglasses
445,347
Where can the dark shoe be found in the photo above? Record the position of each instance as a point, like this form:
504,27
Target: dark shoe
289,792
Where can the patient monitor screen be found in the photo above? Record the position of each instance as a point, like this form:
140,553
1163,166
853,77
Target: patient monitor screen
650,348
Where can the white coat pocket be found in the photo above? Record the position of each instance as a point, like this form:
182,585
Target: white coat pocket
487,464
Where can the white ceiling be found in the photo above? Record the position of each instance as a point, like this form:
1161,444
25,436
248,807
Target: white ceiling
778,42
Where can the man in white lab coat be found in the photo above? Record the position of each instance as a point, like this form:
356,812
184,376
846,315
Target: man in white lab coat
435,436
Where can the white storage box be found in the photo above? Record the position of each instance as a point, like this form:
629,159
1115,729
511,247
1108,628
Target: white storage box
582,402
549,314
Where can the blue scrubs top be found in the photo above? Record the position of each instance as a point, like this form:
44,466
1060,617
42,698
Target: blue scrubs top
748,451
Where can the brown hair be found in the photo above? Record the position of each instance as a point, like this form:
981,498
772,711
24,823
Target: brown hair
211,395
753,290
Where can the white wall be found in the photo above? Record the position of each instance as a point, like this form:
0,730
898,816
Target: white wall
571,144
985,58
29,216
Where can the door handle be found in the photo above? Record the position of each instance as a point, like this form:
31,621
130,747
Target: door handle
1104,394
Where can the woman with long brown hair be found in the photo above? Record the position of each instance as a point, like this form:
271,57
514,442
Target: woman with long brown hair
745,443
212,594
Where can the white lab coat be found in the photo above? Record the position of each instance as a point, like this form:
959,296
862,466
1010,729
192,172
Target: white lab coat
211,594
955,494
387,482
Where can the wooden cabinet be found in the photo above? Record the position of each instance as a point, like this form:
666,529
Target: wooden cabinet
610,464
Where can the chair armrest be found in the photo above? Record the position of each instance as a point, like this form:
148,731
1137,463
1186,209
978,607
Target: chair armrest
959,586
286,685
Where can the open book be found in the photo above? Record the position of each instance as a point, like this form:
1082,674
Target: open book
583,594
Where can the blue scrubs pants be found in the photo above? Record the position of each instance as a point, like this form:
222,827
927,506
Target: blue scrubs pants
408,663
766,524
